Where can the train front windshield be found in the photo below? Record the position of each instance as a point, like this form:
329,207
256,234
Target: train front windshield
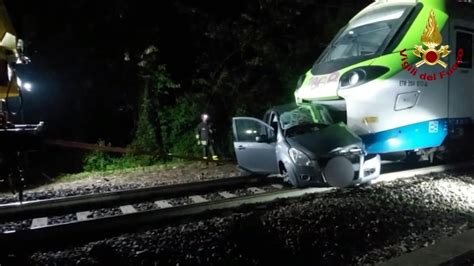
367,35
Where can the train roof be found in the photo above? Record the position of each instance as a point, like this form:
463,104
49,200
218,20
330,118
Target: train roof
462,3
463,9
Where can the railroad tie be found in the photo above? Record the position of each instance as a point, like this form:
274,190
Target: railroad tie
256,190
198,199
82,216
227,195
126,209
163,204
39,222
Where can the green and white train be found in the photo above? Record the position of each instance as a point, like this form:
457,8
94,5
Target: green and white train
400,75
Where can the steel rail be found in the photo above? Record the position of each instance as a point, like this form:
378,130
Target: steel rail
58,206
52,236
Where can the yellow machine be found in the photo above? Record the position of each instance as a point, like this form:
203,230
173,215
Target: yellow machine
10,53
16,140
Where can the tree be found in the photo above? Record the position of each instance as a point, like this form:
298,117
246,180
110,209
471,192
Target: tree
157,87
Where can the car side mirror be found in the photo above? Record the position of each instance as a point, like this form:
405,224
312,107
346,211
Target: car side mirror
262,139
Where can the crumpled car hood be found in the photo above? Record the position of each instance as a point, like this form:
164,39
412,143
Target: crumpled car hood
320,143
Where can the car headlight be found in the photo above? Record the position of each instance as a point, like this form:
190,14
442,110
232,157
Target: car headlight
299,158
361,75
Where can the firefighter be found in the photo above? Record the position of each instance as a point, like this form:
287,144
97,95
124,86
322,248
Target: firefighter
204,136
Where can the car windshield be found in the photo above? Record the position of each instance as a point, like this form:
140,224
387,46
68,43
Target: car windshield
307,117
366,35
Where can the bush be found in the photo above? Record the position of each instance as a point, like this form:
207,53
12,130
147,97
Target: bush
100,162
179,123
96,161
145,136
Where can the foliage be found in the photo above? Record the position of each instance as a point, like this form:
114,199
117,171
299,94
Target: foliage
161,82
179,123
145,136
122,172
96,161
100,162
158,83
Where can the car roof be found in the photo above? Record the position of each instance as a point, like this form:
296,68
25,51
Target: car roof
283,108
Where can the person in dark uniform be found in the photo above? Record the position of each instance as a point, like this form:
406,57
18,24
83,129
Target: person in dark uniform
204,136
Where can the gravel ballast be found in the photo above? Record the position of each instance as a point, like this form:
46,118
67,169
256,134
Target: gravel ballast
354,226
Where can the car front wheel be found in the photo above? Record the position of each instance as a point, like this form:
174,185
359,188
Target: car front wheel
288,176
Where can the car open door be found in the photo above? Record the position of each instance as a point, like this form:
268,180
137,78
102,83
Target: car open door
254,144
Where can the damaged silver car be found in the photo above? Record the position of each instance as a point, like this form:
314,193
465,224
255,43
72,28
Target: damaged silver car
305,145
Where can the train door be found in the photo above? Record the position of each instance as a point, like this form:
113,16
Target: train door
461,80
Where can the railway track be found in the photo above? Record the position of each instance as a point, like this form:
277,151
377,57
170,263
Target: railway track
33,224
57,206
57,222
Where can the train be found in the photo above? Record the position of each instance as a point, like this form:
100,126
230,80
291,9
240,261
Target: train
400,75
16,139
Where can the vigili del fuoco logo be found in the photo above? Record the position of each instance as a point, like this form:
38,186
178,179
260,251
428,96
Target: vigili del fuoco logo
430,54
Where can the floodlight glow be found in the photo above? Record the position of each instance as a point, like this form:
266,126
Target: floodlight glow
27,86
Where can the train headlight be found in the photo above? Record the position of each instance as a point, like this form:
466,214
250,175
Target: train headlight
354,78
299,158
361,75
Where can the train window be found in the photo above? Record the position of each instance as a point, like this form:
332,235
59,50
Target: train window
464,41
366,35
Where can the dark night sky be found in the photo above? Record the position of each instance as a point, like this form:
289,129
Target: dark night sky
77,50
82,85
